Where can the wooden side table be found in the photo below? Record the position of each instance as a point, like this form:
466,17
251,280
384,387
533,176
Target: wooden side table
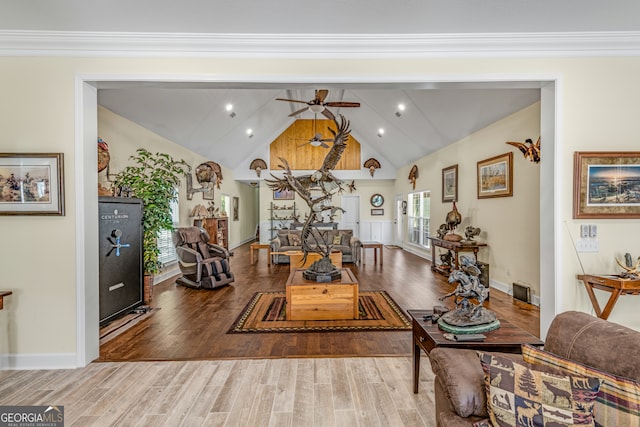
2,295
256,246
427,336
614,284
377,247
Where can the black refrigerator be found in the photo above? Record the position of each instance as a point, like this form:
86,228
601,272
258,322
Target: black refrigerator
120,256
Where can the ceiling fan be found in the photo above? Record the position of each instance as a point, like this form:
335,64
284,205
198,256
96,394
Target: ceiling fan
317,104
317,140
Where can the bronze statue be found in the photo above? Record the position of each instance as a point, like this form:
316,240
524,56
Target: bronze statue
317,190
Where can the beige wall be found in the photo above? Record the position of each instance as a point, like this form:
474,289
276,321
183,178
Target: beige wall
596,110
510,225
125,137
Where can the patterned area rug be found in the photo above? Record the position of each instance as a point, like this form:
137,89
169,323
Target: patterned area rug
266,313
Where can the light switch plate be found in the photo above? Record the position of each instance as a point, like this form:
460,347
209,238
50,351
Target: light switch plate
584,230
593,230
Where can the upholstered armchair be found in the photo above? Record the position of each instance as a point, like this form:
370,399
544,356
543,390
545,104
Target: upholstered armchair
203,264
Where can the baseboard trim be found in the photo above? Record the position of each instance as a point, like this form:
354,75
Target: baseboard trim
15,362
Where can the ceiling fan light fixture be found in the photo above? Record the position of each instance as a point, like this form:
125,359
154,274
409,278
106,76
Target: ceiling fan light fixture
316,108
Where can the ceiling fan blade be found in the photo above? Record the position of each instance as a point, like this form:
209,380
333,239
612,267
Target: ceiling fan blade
302,145
328,114
295,113
292,100
342,104
323,145
321,94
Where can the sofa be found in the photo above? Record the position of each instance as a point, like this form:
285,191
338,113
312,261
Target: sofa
577,344
341,240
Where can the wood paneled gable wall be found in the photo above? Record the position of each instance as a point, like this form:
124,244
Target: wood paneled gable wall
291,145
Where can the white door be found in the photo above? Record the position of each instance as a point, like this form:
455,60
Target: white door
398,221
351,214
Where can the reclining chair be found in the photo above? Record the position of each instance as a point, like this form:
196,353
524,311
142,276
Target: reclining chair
203,264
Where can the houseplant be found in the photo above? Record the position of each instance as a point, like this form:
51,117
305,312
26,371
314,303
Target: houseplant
153,178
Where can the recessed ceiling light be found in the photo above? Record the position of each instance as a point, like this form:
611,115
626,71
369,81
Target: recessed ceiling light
400,109
229,108
380,132
250,133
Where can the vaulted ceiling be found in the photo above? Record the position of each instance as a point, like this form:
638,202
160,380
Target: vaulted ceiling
196,117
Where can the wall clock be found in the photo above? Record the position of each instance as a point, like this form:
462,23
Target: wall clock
377,200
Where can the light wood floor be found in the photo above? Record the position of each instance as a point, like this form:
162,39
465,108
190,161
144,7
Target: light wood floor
310,392
192,324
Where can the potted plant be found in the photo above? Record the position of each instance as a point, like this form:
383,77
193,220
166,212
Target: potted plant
153,179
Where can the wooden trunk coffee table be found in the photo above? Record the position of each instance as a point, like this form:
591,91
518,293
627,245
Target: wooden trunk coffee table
310,300
427,336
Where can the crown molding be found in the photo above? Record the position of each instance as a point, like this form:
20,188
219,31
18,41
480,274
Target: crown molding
76,43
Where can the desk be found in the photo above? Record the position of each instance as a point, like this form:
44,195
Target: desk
614,284
427,336
456,248
377,247
256,246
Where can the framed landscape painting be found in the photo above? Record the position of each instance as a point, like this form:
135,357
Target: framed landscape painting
450,183
31,184
495,176
284,195
606,184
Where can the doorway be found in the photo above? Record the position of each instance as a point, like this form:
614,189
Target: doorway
86,200
398,221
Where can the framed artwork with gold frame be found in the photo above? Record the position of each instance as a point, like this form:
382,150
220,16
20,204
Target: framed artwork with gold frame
606,184
495,176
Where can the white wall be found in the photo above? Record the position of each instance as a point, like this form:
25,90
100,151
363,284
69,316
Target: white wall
596,110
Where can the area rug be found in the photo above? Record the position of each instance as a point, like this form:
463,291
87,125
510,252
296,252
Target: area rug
266,313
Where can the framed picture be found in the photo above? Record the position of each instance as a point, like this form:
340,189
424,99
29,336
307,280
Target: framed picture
450,183
606,184
377,211
31,184
495,176
284,195
234,208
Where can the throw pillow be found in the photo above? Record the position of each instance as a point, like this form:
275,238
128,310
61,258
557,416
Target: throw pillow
284,240
337,239
294,240
520,394
617,403
346,238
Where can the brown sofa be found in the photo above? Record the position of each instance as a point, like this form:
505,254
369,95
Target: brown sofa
459,384
289,240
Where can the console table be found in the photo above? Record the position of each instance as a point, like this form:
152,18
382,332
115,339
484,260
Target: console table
614,284
456,248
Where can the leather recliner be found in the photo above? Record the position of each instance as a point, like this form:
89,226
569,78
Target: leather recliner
203,265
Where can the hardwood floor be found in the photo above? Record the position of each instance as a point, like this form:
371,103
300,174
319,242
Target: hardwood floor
192,324
318,392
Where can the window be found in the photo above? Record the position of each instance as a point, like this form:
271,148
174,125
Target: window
165,241
419,218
